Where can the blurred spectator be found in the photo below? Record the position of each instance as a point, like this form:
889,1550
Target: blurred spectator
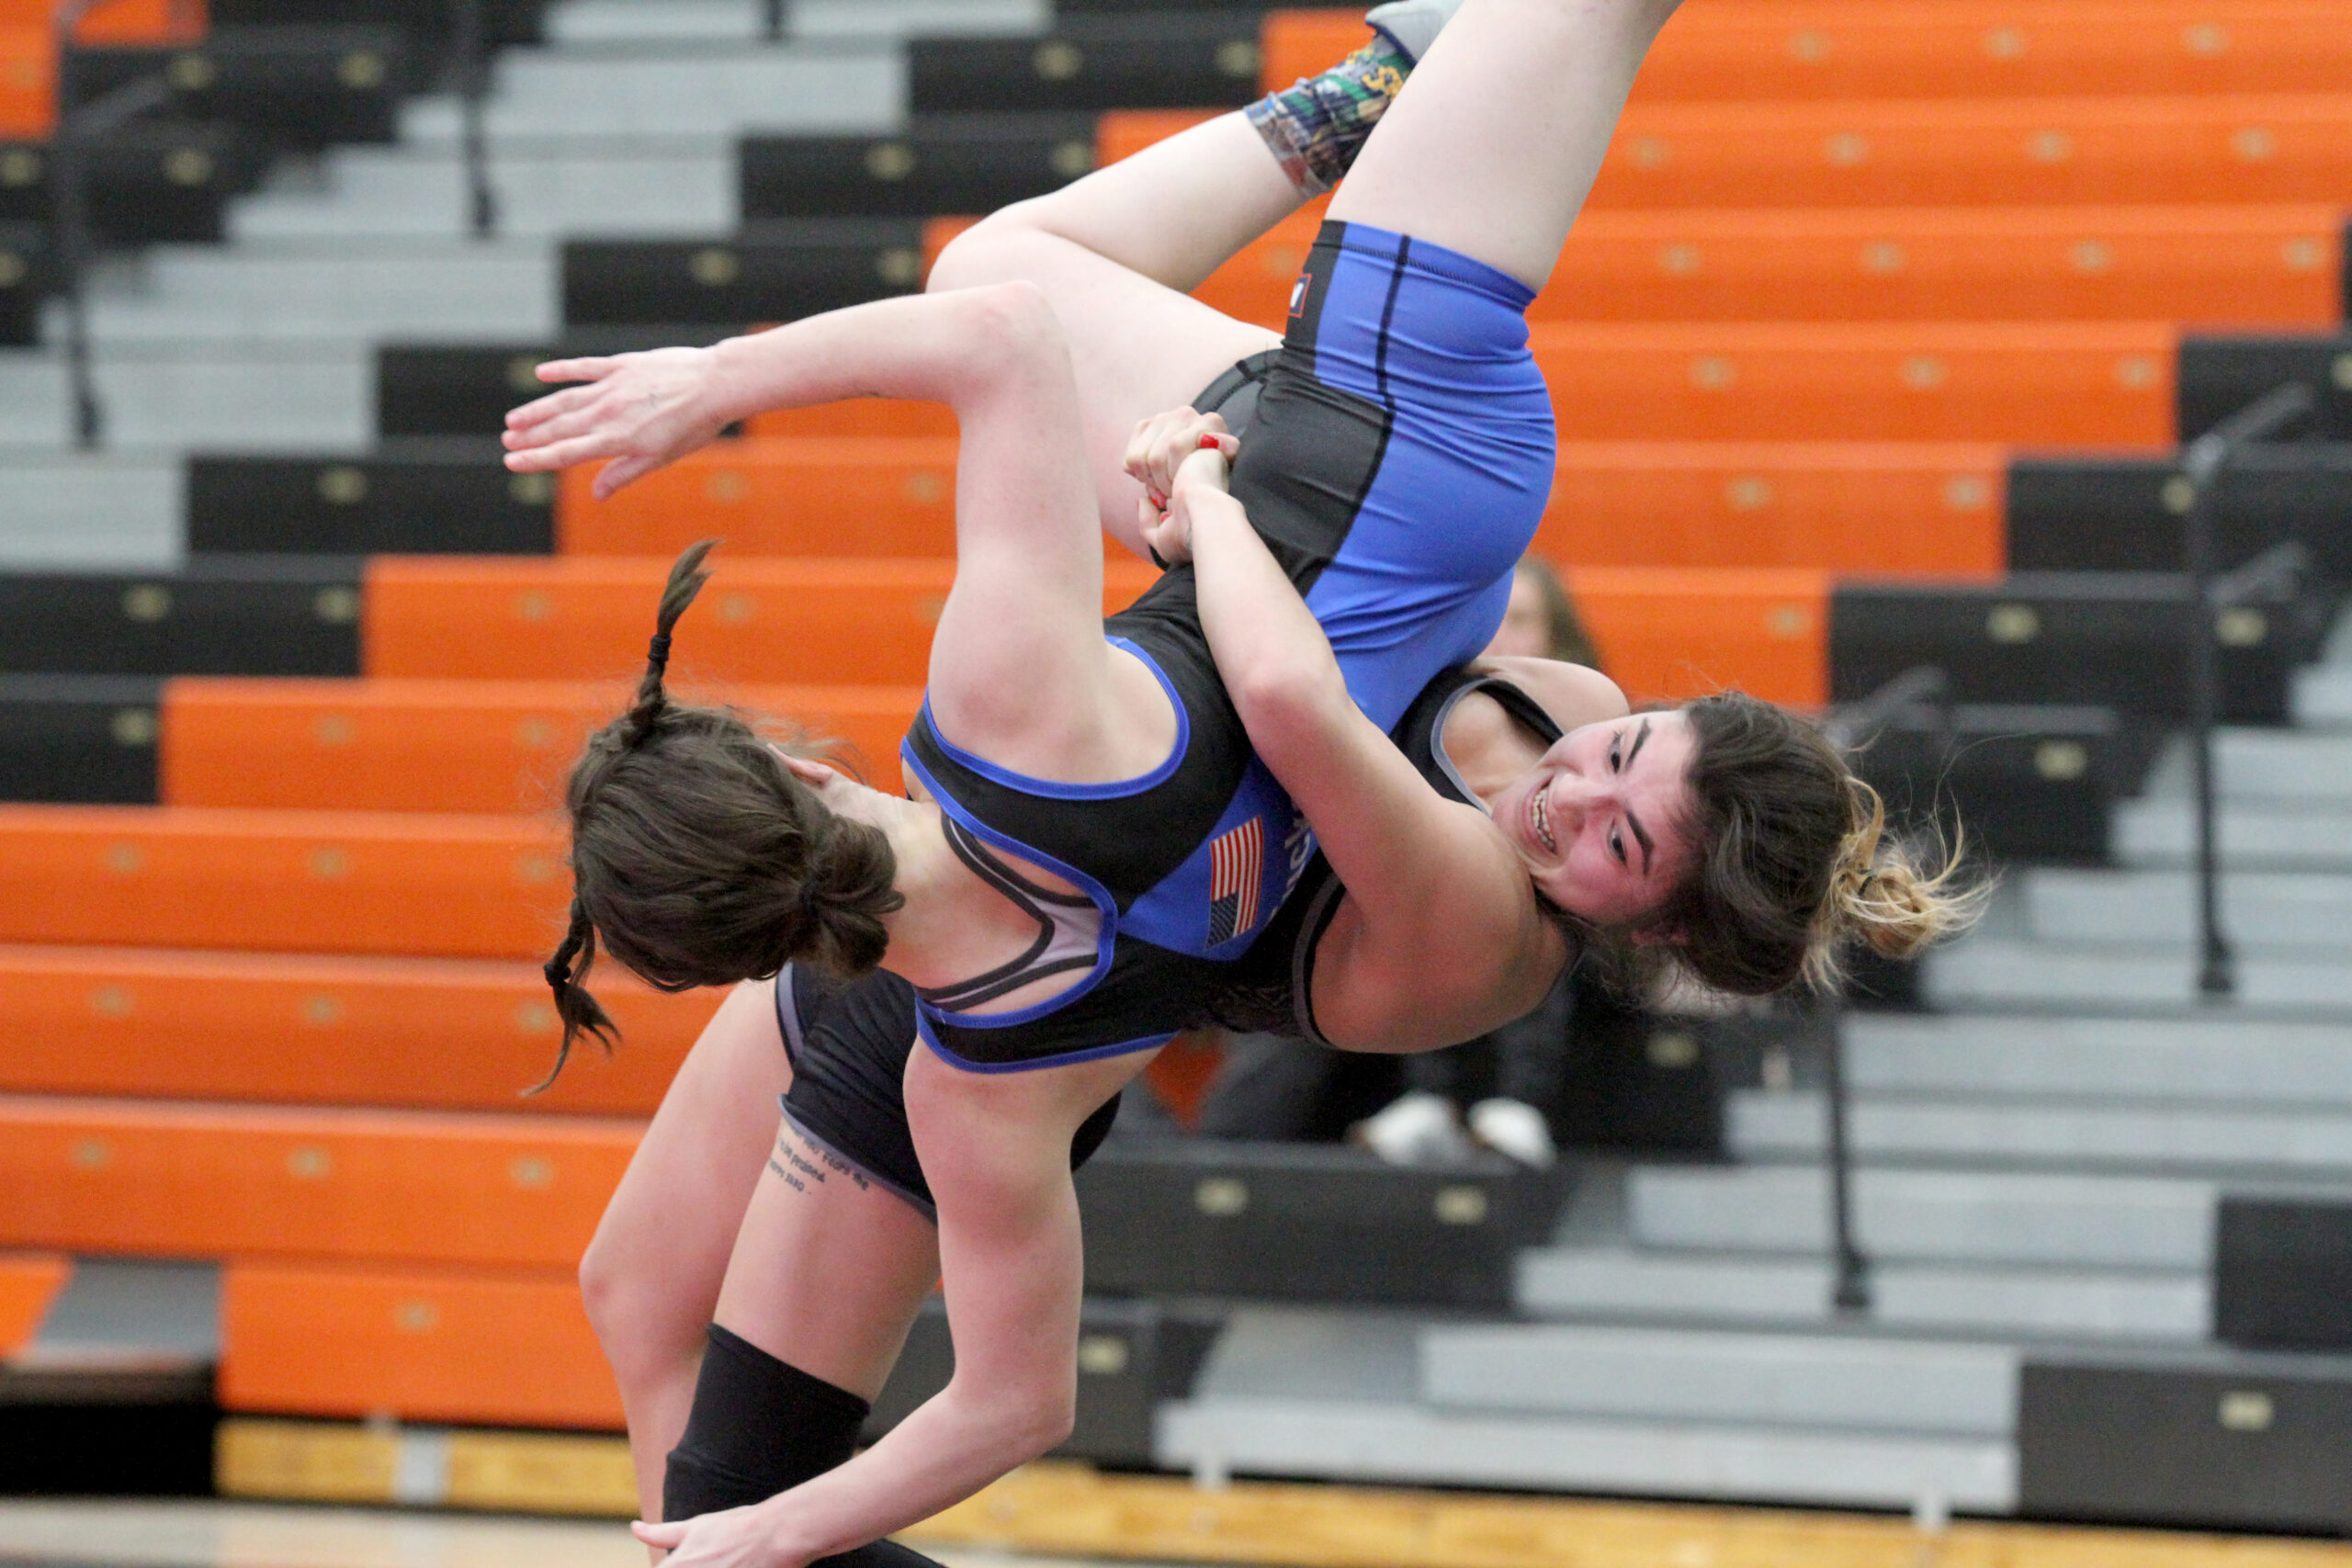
1496,1090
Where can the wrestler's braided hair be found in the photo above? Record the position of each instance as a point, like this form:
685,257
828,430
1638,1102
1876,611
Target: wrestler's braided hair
699,857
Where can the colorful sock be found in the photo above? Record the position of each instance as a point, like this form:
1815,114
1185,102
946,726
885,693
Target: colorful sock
1315,127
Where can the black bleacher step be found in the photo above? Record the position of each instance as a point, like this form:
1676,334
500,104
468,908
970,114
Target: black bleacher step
1300,1222
466,389
2124,514
1203,59
944,164
2282,1272
447,496
2218,375
24,279
1131,1356
769,272
297,87
427,21
2200,1436
150,182
2029,782
217,616
89,739
2115,640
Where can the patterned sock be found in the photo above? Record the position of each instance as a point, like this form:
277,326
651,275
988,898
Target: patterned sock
1316,127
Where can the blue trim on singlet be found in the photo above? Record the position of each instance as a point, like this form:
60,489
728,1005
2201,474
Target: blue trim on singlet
1105,944
1053,789
1092,1053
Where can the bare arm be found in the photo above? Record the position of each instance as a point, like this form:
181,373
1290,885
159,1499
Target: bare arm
1426,877
643,411
996,1149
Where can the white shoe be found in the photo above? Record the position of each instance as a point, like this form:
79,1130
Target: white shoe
1417,1129
1514,1129
1412,25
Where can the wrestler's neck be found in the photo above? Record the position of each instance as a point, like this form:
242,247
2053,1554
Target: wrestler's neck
952,924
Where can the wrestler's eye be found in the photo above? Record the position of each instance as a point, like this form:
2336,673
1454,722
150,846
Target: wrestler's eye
1615,745
1617,848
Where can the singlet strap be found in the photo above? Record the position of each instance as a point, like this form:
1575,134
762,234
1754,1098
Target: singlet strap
1066,936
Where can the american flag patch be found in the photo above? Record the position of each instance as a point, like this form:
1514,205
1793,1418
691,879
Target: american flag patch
1236,863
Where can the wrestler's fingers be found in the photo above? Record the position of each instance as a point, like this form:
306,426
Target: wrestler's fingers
541,409
621,471
593,367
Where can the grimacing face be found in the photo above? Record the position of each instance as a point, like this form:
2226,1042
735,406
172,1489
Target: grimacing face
1598,820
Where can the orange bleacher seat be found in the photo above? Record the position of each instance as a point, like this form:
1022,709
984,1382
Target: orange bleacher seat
865,621
287,882
1925,49
2260,266
462,746
1122,133
771,496
27,82
242,1180
422,1033
2046,384
29,1284
1667,635
888,419
1850,507
306,1339
2001,153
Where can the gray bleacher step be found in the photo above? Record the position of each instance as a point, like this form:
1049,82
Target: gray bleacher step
104,511
2281,910
2123,1137
503,290
701,89
224,397
2322,699
1718,1378
2270,835
376,190
1949,1216
1620,1283
1331,1396
124,1331
2264,764
1984,971
639,21
2206,1060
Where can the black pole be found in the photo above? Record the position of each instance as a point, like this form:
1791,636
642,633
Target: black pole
776,21
470,50
1851,1293
71,206
2202,465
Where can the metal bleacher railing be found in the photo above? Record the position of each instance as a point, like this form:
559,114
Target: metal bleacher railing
2202,463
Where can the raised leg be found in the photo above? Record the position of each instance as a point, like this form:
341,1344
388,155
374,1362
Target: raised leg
1493,145
651,1275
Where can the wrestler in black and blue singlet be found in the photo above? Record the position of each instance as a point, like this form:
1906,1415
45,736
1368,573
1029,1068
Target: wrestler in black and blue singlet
848,1041
1398,454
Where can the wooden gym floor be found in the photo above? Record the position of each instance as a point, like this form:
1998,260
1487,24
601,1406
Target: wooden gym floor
1085,1521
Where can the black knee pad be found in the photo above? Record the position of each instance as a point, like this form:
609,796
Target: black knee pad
759,1427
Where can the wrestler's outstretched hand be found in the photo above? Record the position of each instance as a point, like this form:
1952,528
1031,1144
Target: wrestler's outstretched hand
1161,444
1201,475
731,1537
641,410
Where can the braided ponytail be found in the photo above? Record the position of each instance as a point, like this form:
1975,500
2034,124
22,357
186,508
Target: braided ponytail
699,857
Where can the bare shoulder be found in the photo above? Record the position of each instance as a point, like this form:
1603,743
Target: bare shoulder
1479,953
1574,694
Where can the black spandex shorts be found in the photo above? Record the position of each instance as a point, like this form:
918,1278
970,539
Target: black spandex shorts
848,1042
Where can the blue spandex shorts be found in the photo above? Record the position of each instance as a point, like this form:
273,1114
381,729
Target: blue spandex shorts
1400,455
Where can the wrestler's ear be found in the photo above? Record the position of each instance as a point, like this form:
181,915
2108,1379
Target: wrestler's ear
814,774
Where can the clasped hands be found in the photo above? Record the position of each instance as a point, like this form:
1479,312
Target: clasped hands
1177,457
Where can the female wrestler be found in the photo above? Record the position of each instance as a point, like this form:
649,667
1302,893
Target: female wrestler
1018,1272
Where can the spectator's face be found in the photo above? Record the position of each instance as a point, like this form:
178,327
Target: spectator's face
1600,820
1526,630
